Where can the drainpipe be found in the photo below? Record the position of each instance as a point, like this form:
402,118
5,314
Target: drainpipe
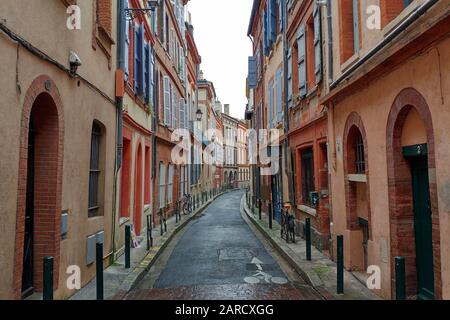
287,154
121,25
330,42
415,15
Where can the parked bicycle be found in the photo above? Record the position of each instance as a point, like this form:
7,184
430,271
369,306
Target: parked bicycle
187,204
287,224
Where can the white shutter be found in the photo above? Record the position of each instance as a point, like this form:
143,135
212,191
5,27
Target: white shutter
166,100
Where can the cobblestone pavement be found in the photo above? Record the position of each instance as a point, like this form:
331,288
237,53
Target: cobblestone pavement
218,256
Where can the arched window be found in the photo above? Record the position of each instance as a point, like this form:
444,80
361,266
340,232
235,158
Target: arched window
360,160
95,171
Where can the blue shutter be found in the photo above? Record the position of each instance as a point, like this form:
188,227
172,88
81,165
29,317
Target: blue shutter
142,62
289,75
278,93
127,49
151,76
318,43
270,105
136,58
301,41
146,65
266,34
280,14
356,25
252,72
273,21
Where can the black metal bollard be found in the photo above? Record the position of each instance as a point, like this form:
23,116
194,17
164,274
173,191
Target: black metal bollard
165,225
99,268
48,279
340,264
400,278
127,247
308,238
149,232
176,212
260,209
270,216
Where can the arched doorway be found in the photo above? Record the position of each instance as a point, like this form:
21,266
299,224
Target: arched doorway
357,193
414,216
137,215
40,187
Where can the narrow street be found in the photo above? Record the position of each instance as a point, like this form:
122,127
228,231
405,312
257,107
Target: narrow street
218,256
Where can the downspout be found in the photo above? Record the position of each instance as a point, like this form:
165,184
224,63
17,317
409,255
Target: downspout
287,154
330,42
416,14
121,25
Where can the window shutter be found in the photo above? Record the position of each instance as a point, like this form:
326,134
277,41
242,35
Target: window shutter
127,49
266,34
318,43
174,109
142,64
151,76
163,23
273,21
146,67
289,75
182,115
270,105
252,72
278,93
136,59
280,14
166,100
356,25
301,41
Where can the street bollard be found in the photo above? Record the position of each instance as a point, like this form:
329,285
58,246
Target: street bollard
99,268
176,212
149,232
270,216
165,225
127,247
400,278
340,264
48,279
308,238
260,209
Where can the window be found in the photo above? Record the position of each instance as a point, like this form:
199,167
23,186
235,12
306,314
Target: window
360,161
139,53
174,108
270,118
182,115
349,21
307,167
127,46
167,100
301,58
162,185
170,184
279,98
94,171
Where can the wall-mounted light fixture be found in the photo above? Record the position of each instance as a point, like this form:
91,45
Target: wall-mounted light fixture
151,6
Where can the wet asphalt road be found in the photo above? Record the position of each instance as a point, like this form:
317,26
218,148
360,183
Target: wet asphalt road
218,256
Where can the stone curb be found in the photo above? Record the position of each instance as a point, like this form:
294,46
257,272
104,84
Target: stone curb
147,262
307,274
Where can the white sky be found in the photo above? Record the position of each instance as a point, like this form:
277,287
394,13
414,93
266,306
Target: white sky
220,32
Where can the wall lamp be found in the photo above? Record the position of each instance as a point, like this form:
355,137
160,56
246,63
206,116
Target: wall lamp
151,6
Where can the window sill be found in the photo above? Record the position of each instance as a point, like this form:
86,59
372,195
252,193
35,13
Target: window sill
350,61
357,178
308,210
123,221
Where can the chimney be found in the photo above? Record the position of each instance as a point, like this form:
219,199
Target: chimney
226,108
